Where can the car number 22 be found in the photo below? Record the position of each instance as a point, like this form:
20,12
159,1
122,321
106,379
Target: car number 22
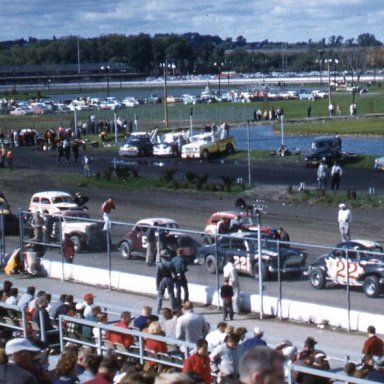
240,262
337,269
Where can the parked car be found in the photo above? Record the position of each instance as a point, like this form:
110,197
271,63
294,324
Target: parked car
364,261
51,202
129,102
134,243
327,148
238,221
85,234
243,247
137,144
379,164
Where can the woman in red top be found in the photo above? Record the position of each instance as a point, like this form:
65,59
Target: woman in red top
155,345
198,363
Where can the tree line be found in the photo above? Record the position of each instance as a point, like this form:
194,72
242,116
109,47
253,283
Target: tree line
192,53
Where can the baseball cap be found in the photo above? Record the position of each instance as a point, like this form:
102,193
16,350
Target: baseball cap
88,296
20,344
342,206
257,331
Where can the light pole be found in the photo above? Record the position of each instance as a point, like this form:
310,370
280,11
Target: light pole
329,62
106,69
219,67
166,65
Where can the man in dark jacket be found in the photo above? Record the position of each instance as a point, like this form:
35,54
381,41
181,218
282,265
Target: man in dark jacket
165,274
20,363
181,280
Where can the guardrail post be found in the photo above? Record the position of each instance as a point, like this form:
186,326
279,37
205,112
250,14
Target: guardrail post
217,273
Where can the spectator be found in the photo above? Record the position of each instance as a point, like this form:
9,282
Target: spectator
180,279
20,366
41,317
65,369
100,334
225,359
13,294
120,338
91,365
197,365
165,275
344,219
52,307
106,372
68,248
26,297
88,301
336,173
351,370
151,244
154,346
373,345
216,337
168,324
191,326
86,165
226,294
7,285
283,236
255,341
377,374
230,272
261,365
142,321
322,175
319,361
67,308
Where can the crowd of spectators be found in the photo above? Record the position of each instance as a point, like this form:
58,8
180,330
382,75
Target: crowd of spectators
218,356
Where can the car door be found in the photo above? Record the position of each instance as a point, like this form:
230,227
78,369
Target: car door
238,251
343,265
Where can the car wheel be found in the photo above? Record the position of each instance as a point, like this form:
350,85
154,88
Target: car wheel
371,286
229,149
208,240
210,264
264,272
205,154
126,250
77,242
317,278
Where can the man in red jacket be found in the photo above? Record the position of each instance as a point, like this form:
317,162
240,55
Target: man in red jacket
198,364
120,338
373,346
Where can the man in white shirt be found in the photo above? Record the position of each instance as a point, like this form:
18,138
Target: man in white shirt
217,336
336,173
344,219
230,272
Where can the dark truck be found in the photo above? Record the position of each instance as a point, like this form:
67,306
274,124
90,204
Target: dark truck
327,148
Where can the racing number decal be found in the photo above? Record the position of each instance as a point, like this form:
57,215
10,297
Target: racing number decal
337,270
341,268
240,262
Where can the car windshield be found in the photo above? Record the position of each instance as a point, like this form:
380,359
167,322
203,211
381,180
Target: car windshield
62,199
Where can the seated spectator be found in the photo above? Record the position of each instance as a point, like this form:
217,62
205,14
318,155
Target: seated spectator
67,308
101,318
217,336
106,372
154,345
197,365
86,331
7,285
377,373
41,318
82,353
241,332
120,338
351,370
88,301
320,361
26,297
52,307
168,325
12,298
65,369
141,321
254,341
91,366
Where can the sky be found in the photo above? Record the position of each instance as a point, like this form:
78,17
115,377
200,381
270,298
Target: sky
256,20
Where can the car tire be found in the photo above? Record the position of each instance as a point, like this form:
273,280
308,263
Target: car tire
210,264
76,242
229,149
264,271
372,286
317,278
205,154
126,250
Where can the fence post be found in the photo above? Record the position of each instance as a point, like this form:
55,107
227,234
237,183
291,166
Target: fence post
279,280
108,233
21,236
348,291
217,273
2,250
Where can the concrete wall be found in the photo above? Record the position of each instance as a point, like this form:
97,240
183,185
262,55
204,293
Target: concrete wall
290,309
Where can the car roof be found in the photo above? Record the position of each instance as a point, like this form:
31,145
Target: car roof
364,243
51,194
152,220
